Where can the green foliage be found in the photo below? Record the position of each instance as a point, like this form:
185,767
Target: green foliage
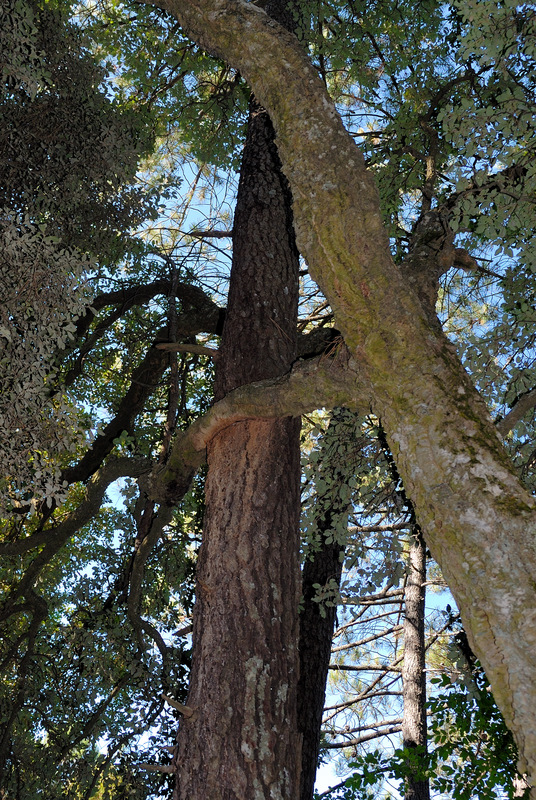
69,153
95,685
68,160
329,475
440,97
197,97
474,754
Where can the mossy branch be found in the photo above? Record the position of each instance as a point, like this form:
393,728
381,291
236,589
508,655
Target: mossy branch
325,381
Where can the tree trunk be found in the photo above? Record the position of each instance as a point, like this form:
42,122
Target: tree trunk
316,633
322,565
477,519
242,740
414,732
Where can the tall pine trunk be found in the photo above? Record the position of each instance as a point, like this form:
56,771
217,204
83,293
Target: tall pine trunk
414,730
242,740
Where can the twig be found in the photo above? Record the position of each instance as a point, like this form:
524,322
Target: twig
197,349
185,711
168,769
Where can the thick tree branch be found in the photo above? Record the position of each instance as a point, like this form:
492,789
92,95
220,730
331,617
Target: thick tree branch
325,381
199,314
211,233
197,349
144,381
525,404
189,295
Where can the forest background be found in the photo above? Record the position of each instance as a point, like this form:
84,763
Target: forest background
121,150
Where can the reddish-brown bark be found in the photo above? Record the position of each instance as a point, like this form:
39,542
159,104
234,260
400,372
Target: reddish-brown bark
242,741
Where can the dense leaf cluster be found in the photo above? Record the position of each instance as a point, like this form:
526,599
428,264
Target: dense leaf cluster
97,587
68,159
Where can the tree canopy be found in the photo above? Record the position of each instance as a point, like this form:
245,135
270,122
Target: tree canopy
407,136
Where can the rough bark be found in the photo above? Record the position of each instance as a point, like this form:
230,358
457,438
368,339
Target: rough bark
259,337
414,730
242,741
478,521
316,633
323,564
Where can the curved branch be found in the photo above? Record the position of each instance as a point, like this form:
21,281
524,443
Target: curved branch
144,381
200,314
137,295
325,381
55,537
367,737
178,347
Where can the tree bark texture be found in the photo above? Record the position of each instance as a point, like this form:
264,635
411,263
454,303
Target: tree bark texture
477,519
414,730
242,741
322,565
316,633
259,338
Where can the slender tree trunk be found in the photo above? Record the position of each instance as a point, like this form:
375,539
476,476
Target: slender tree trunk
316,633
242,740
414,733
316,629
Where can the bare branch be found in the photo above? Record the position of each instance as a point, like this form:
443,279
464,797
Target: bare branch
361,642
198,349
184,631
366,738
184,711
209,234
371,726
525,403
168,769
365,668
124,299
332,789
54,536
